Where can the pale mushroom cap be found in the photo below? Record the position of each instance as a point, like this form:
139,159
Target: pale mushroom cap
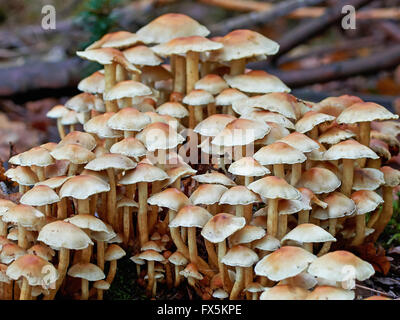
254,287
82,102
71,117
367,179
111,160
125,202
173,109
61,234
381,148
337,266
319,180
23,215
335,135
87,221
256,81
239,195
207,194
311,119
95,83
127,89
214,177
366,201
284,263
102,285
268,116
178,172
391,176
37,156
279,153
151,255
221,226
284,292
241,132
57,111
303,280
159,135
228,96
220,294
240,256
114,252
300,141
191,271
137,260
198,98
151,245
177,259
335,105
128,119
74,153
244,43
83,139
39,196
87,271
6,205
267,243
364,112
248,167
142,55
117,39
308,233
183,45
34,268
10,252
330,293
349,149
170,198
338,206
144,172
99,126
277,132
190,216
83,186
42,251
213,125
212,83
171,121
273,188
246,235
169,26
22,175
130,147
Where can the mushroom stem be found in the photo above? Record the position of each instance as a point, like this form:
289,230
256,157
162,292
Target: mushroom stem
83,206
112,271
60,128
282,225
308,246
238,286
238,66
373,218
112,197
272,220
110,80
180,74
40,173
347,176
327,245
303,217
386,213
26,290
192,70
374,163
178,277
126,222
360,230
205,68
211,109
313,134
212,255
150,274
364,138
254,296
62,209
93,204
84,289
3,228
63,262
192,244
168,275
239,210
100,254
153,217
22,239
223,270
142,213
248,278
279,170
184,234
296,173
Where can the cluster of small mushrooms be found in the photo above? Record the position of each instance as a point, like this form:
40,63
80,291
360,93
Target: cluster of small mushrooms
211,174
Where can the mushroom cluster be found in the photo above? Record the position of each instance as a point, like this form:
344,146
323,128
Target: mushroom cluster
211,174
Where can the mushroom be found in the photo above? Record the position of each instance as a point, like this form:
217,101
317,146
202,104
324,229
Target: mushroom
57,112
126,204
178,260
40,196
87,272
195,100
254,288
112,254
150,256
5,205
284,292
330,293
214,84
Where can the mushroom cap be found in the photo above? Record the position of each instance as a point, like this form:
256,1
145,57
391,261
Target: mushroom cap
338,206
241,132
170,198
58,111
268,116
95,83
249,167
10,252
246,235
71,117
169,26
213,125
243,43
173,109
144,172
23,215
254,287
239,195
284,263
335,105
142,55
82,102
114,252
349,149
367,179
61,234
117,39
129,119
191,271
101,284
151,245
183,45
178,259
87,271
279,153
36,156
74,153
39,196
303,280
190,216
330,293
311,119
111,161
334,135
380,148
130,147
137,260
34,269
171,121
221,226
274,188
42,251
178,172
308,233
126,202
6,205
87,221
83,186
228,96
391,176
240,256
319,180
212,83
267,243
198,98
300,141
159,135
214,177
365,112
339,265
127,89
24,176
99,126
366,201
83,139
207,194
220,294
277,132
151,255
256,81
284,292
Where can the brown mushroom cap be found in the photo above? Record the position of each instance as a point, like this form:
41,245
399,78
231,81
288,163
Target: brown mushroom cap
128,119
267,243
114,252
319,180
99,126
10,251
24,176
83,139
36,156
300,141
182,45
177,259
221,226
159,135
95,83
87,221
212,83
334,135
268,116
366,201
118,39
42,251
391,176
23,215
311,119
367,179
74,153
365,111
338,206
349,149
173,109
191,271
6,205
130,147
